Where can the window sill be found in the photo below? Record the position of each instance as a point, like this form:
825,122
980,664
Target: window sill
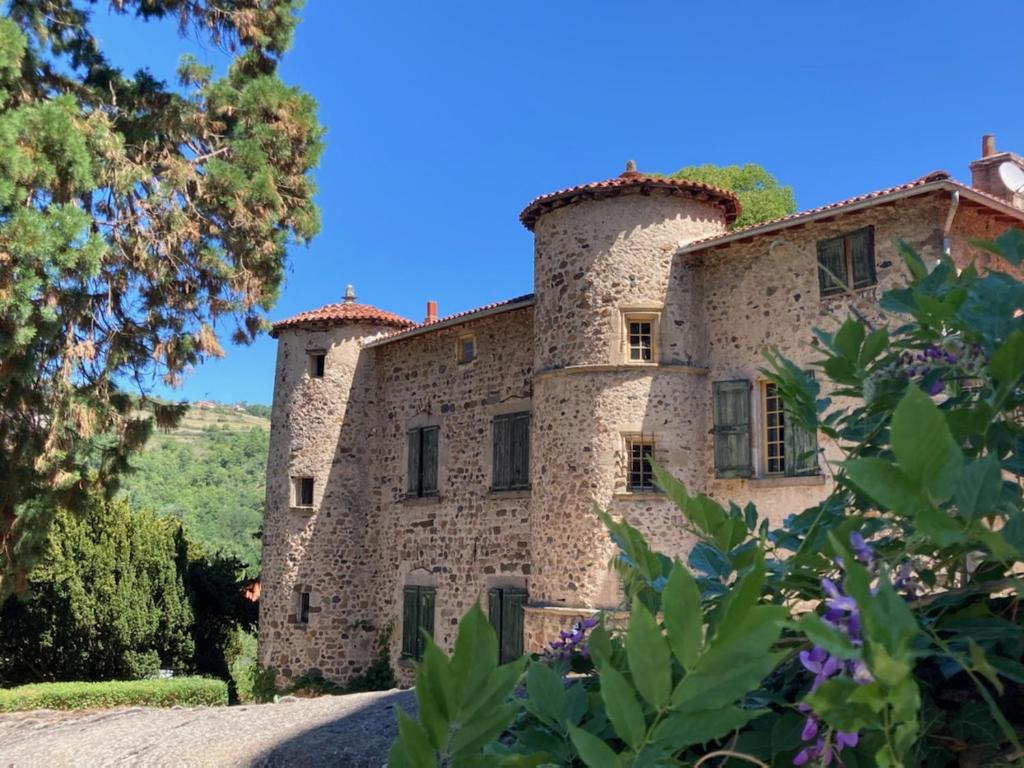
406,662
300,509
638,495
511,493
421,501
784,481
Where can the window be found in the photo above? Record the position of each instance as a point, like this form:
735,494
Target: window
302,608
511,461
505,609
467,349
732,428
417,618
641,340
847,262
423,461
304,491
317,362
789,449
639,475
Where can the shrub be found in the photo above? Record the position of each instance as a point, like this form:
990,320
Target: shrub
879,627
177,691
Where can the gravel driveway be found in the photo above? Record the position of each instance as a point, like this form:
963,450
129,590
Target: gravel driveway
339,731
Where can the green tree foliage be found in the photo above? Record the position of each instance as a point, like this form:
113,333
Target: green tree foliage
882,626
138,223
214,483
759,192
107,601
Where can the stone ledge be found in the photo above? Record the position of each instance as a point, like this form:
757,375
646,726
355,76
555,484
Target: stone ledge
639,496
633,368
517,493
420,501
302,510
783,482
565,610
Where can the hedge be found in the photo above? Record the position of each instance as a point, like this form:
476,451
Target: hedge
183,691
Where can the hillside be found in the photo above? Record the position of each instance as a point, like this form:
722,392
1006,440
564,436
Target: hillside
210,473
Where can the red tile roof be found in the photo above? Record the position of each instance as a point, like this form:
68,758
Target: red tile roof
935,178
519,302
631,181
345,311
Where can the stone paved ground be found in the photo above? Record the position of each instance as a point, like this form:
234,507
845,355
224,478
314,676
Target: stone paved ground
337,731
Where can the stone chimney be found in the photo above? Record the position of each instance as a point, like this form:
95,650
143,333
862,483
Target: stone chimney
985,175
431,312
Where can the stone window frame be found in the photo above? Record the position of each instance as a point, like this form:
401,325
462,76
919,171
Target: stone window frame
316,363
297,487
627,438
511,405
645,313
305,605
460,348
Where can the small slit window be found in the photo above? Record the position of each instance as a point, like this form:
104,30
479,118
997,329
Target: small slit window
302,608
304,491
317,364
639,475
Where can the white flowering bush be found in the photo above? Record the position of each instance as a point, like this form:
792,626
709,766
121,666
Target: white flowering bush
879,627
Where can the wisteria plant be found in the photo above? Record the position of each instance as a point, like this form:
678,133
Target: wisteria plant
879,627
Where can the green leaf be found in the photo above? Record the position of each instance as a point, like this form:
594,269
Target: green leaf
834,702
684,620
649,659
684,729
592,750
827,637
1007,363
621,705
876,341
924,446
475,653
979,488
434,695
848,339
740,599
1010,245
546,693
885,484
415,748
980,664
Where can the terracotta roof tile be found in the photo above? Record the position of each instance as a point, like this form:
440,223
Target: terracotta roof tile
752,229
631,180
345,311
466,316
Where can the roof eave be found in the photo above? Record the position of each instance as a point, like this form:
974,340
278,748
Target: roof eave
932,186
449,323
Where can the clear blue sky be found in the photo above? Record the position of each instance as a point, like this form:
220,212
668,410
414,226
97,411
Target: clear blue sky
444,119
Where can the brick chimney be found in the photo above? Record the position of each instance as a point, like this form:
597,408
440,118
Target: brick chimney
985,172
431,312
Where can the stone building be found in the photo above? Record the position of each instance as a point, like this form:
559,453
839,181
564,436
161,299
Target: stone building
418,468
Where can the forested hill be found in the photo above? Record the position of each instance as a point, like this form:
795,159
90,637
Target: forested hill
210,473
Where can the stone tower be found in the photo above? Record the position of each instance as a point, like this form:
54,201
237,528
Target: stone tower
314,602
605,254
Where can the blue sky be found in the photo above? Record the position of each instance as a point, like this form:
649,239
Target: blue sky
444,119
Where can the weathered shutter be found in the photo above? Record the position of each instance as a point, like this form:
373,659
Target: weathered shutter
414,462
512,602
801,446
426,619
494,609
429,468
410,626
520,451
862,254
502,464
832,258
732,428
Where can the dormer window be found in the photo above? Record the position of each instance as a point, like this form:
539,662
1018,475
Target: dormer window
317,364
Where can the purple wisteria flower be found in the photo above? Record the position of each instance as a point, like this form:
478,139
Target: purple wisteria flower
842,613
952,358
571,640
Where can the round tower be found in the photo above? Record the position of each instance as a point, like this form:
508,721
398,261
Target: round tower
314,523
619,347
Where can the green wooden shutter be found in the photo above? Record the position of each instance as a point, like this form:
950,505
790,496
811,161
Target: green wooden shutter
511,639
429,468
410,626
862,252
732,428
502,463
426,618
414,462
801,446
832,256
520,451
494,609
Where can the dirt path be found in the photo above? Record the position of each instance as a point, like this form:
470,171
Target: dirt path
335,731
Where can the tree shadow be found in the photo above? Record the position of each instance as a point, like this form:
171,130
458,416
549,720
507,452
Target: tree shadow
360,737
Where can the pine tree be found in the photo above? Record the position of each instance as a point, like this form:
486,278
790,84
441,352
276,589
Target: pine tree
140,223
